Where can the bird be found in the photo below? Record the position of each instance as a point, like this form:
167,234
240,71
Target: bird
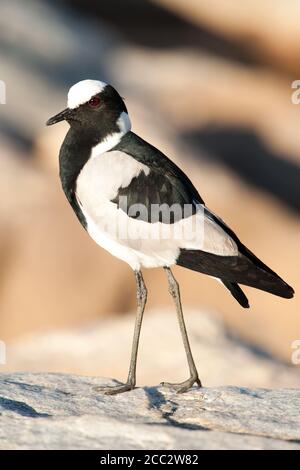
141,207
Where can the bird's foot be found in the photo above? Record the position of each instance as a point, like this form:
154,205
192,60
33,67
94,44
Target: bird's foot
183,386
115,389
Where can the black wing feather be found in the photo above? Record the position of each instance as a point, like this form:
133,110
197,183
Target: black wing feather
164,184
237,293
235,269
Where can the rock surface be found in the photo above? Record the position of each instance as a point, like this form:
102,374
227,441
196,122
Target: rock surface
53,411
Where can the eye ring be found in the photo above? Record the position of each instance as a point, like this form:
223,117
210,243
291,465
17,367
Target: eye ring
94,102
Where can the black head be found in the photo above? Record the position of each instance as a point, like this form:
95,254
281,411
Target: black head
93,106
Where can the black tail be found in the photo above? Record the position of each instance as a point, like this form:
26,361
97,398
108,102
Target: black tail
245,269
237,293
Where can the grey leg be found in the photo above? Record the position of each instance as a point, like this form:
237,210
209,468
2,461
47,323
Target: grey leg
141,302
174,291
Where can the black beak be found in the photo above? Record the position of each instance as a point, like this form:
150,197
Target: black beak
64,115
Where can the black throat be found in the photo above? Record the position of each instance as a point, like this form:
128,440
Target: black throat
74,154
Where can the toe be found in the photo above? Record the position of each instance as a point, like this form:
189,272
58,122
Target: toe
114,390
183,386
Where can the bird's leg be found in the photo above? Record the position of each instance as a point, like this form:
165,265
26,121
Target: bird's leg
141,302
174,291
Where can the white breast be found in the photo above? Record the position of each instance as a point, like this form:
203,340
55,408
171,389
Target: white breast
98,184
103,175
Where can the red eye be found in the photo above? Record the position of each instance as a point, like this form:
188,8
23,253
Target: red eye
94,102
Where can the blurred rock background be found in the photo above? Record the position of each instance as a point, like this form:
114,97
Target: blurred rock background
209,83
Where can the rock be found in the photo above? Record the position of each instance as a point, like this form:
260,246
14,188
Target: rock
103,348
51,411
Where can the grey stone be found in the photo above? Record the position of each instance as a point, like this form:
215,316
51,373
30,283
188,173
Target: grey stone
59,411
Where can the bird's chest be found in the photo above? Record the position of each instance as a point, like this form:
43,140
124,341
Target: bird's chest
101,178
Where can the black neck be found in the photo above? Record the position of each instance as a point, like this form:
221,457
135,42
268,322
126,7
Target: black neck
74,153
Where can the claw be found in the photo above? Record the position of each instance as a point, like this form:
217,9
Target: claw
115,389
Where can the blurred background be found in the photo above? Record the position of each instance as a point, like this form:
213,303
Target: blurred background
209,83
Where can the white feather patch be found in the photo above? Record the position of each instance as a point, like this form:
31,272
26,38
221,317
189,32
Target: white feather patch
102,176
83,91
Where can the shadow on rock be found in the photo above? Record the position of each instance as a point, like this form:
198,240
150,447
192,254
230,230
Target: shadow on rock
167,408
21,408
